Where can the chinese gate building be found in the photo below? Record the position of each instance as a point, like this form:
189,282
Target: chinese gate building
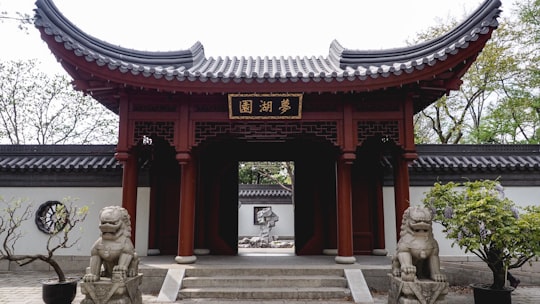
194,118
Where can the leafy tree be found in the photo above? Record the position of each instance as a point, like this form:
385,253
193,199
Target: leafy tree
478,217
499,100
516,118
36,108
497,67
520,112
529,13
458,117
267,173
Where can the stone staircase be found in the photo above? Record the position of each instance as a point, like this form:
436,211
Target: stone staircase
265,284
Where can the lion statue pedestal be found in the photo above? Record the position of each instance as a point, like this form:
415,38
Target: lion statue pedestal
117,291
113,275
417,292
416,276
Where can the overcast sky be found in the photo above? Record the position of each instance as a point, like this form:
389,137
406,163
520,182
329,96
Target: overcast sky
238,27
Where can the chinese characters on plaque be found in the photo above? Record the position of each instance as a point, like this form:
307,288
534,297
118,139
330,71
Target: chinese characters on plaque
265,106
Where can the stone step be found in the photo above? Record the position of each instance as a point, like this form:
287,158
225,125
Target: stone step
253,271
265,283
329,293
275,281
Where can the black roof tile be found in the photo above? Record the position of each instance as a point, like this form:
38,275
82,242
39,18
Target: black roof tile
463,160
476,157
263,191
58,158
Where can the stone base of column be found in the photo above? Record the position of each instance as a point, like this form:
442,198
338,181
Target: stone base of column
151,252
380,252
201,251
345,259
185,259
328,251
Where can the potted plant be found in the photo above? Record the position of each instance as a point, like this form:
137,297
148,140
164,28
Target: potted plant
58,219
481,220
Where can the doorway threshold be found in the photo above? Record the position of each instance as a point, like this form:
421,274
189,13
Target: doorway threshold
266,252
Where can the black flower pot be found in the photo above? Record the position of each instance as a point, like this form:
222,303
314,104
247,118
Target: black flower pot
483,294
55,292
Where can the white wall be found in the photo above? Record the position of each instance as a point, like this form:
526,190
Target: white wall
284,227
34,241
522,196
97,198
143,219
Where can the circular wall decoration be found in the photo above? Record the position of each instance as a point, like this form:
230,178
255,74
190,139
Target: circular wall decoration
51,217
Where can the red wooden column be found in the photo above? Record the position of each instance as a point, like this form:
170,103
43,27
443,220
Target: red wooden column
343,189
188,187
401,190
129,187
344,213
401,166
186,229
129,163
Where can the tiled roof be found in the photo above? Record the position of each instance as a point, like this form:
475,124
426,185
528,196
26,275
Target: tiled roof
58,158
340,65
263,191
477,158
431,158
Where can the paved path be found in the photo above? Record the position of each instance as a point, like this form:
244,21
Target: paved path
23,287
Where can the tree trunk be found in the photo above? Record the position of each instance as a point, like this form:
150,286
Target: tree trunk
56,267
499,278
497,267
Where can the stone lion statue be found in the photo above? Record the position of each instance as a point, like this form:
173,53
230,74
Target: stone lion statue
417,253
113,252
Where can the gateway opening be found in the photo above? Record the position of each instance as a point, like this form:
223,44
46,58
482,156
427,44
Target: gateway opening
266,208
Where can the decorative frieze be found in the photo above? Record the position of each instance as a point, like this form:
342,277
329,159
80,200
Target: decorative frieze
386,130
265,131
153,129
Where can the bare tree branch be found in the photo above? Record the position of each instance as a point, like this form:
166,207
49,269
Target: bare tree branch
11,219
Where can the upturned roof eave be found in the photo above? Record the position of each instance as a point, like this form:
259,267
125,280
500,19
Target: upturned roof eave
55,24
190,71
108,79
479,22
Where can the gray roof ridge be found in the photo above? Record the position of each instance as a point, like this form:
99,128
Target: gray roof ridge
37,149
477,149
430,157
